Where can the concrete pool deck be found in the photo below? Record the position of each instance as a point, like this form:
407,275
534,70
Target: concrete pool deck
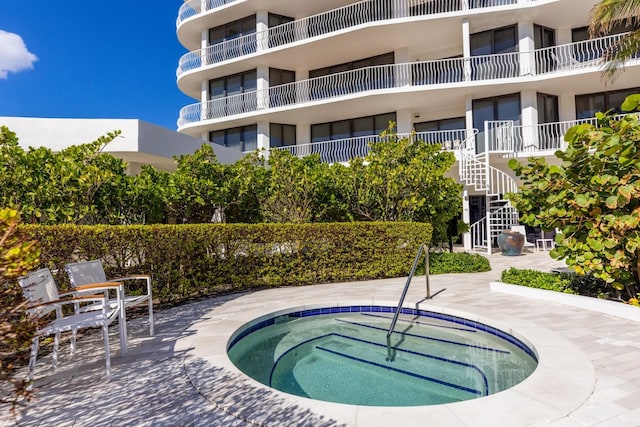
179,377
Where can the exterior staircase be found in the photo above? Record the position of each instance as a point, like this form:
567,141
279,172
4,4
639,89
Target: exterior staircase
477,173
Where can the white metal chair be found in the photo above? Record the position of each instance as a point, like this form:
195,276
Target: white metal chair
41,292
86,272
522,230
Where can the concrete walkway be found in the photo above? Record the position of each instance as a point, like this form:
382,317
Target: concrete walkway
177,378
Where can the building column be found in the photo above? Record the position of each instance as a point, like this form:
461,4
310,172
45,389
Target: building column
262,30
529,102
567,107
468,119
401,56
206,107
303,137
526,47
466,217
404,121
204,48
262,87
466,49
263,136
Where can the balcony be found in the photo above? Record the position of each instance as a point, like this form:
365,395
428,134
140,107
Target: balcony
501,137
391,78
346,17
505,137
343,150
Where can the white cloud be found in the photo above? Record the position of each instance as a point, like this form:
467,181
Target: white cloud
14,55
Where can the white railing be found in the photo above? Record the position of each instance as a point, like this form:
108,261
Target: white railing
376,78
343,150
362,12
506,137
318,25
195,7
574,56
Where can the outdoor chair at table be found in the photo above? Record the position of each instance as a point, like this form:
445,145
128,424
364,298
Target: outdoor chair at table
41,291
86,272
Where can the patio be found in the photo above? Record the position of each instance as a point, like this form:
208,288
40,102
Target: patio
176,378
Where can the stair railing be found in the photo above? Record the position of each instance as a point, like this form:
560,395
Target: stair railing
422,249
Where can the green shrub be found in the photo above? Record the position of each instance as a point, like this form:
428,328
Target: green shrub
570,283
190,260
538,279
457,262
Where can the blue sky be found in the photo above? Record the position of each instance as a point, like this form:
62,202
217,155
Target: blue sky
104,59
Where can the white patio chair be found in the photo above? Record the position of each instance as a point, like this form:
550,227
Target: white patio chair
40,290
522,230
86,272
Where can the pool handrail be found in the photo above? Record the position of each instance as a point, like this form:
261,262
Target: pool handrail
423,248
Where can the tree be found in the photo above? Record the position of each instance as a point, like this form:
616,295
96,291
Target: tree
195,193
296,188
18,256
592,197
403,180
244,186
70,186
609,14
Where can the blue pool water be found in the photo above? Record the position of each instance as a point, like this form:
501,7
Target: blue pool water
339,354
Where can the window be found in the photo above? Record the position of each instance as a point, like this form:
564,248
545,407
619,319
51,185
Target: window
385,59
443,124
378,79
281,135
550,134
446,139
505,108
493,42
363,127
544,37
281,95
547,108
232,30
233,94
588,105
282,35
244,138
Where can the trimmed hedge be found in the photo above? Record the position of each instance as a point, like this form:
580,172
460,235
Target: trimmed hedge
457,262
537,279
569,283
191,260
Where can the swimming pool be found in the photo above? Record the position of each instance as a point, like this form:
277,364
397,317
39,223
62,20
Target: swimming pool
339,354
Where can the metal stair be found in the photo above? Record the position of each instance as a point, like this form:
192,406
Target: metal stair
477,173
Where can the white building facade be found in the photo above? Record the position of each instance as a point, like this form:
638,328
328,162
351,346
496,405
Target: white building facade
139,143
489,79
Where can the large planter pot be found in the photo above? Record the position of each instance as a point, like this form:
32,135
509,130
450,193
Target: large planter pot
510,243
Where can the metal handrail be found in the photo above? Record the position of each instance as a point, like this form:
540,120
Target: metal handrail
423,248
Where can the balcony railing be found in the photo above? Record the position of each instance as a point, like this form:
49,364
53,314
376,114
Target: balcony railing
501,137
343,150
195,7
317,25
506,137
400,7
417,74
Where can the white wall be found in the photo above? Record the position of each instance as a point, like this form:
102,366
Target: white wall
139,143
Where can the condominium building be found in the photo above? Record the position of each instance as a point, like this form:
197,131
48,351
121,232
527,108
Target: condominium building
489,79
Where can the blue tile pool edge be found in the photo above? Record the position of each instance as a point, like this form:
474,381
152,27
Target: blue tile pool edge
253,326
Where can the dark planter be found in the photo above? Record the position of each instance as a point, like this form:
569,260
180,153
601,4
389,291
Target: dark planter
510,243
